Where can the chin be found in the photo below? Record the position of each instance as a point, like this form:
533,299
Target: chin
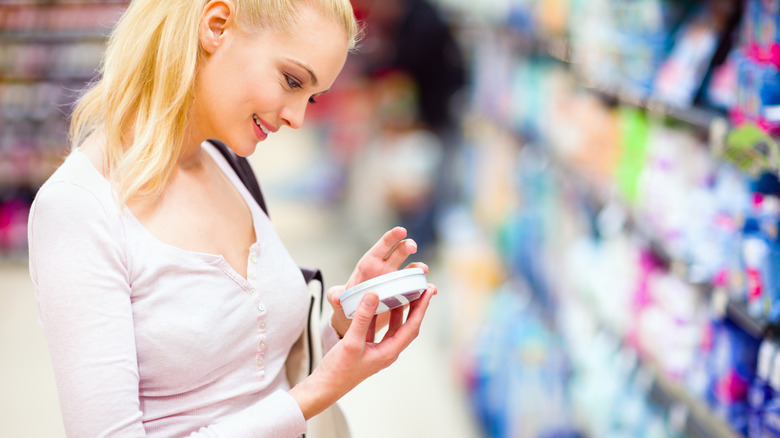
244,150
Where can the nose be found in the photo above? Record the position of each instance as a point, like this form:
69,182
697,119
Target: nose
294,113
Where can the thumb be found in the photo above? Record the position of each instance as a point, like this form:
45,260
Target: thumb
363,316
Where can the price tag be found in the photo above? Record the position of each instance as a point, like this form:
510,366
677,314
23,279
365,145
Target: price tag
719,301
719,129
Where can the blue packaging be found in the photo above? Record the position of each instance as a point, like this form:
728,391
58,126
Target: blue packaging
769,96
770,420
767,24
760,392
755,251
749,24
732,368
758,67
772,277
748,91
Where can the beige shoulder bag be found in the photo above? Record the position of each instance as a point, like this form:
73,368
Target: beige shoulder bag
306,354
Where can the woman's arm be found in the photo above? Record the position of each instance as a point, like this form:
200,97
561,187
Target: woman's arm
357,356
82,290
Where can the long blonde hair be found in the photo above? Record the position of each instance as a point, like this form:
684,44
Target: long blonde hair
141,101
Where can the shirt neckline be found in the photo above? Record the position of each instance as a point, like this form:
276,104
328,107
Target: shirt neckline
186,255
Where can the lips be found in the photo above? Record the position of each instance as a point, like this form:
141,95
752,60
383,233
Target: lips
261,130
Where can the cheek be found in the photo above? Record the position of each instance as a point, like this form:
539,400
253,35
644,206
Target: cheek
237,88
266,98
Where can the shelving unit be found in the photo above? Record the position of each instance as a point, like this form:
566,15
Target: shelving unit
715,127
691,416
49,50
565,187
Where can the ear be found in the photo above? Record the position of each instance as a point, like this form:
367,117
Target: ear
216,19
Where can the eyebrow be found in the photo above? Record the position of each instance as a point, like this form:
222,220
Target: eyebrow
307,68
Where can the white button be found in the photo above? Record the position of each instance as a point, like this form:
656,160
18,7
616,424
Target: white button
251,276
262,344
252,291
262,325
259,362
261,307
253,258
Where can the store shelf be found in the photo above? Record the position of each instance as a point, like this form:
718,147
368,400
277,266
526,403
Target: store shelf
757,327
592,172
57,77
54,37
633,222
555,48
703,119
735,311
696,117
686,413
49,3
51,49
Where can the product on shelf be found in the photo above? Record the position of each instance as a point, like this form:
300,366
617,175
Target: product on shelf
680,76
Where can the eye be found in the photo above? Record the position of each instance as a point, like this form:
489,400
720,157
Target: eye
292,83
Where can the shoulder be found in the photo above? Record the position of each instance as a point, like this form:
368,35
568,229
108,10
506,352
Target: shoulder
74,215
76,191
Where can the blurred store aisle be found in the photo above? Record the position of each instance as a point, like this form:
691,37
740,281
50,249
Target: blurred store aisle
418,396
28,401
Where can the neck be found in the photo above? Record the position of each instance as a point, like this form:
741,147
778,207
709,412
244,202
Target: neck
191,153
191,156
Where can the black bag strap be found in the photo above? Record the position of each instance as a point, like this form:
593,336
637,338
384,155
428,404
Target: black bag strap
244,171
247,176
311,274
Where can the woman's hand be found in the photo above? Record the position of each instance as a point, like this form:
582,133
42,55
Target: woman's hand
385,256
354,359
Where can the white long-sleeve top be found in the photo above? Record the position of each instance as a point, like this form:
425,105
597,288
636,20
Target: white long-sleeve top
148,339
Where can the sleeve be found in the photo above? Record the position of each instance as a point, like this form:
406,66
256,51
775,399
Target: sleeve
82,290
329,335
277,415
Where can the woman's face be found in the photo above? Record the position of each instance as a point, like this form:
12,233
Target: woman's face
249,86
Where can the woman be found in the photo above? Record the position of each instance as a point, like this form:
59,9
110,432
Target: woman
167,299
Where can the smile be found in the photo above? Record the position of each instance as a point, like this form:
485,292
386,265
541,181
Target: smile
260,125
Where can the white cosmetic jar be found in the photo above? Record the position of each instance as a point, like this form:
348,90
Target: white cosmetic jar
394,289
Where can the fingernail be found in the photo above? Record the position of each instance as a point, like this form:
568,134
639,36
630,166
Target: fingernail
412,245
370,300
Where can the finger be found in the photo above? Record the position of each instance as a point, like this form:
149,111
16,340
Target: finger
387,242
364,316
418,307
401,252
409,329
431,291
334,296
371,333
420,265
396,319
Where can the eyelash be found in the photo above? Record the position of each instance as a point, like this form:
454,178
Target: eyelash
293,84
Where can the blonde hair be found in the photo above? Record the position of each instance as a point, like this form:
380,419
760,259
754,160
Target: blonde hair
145,90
